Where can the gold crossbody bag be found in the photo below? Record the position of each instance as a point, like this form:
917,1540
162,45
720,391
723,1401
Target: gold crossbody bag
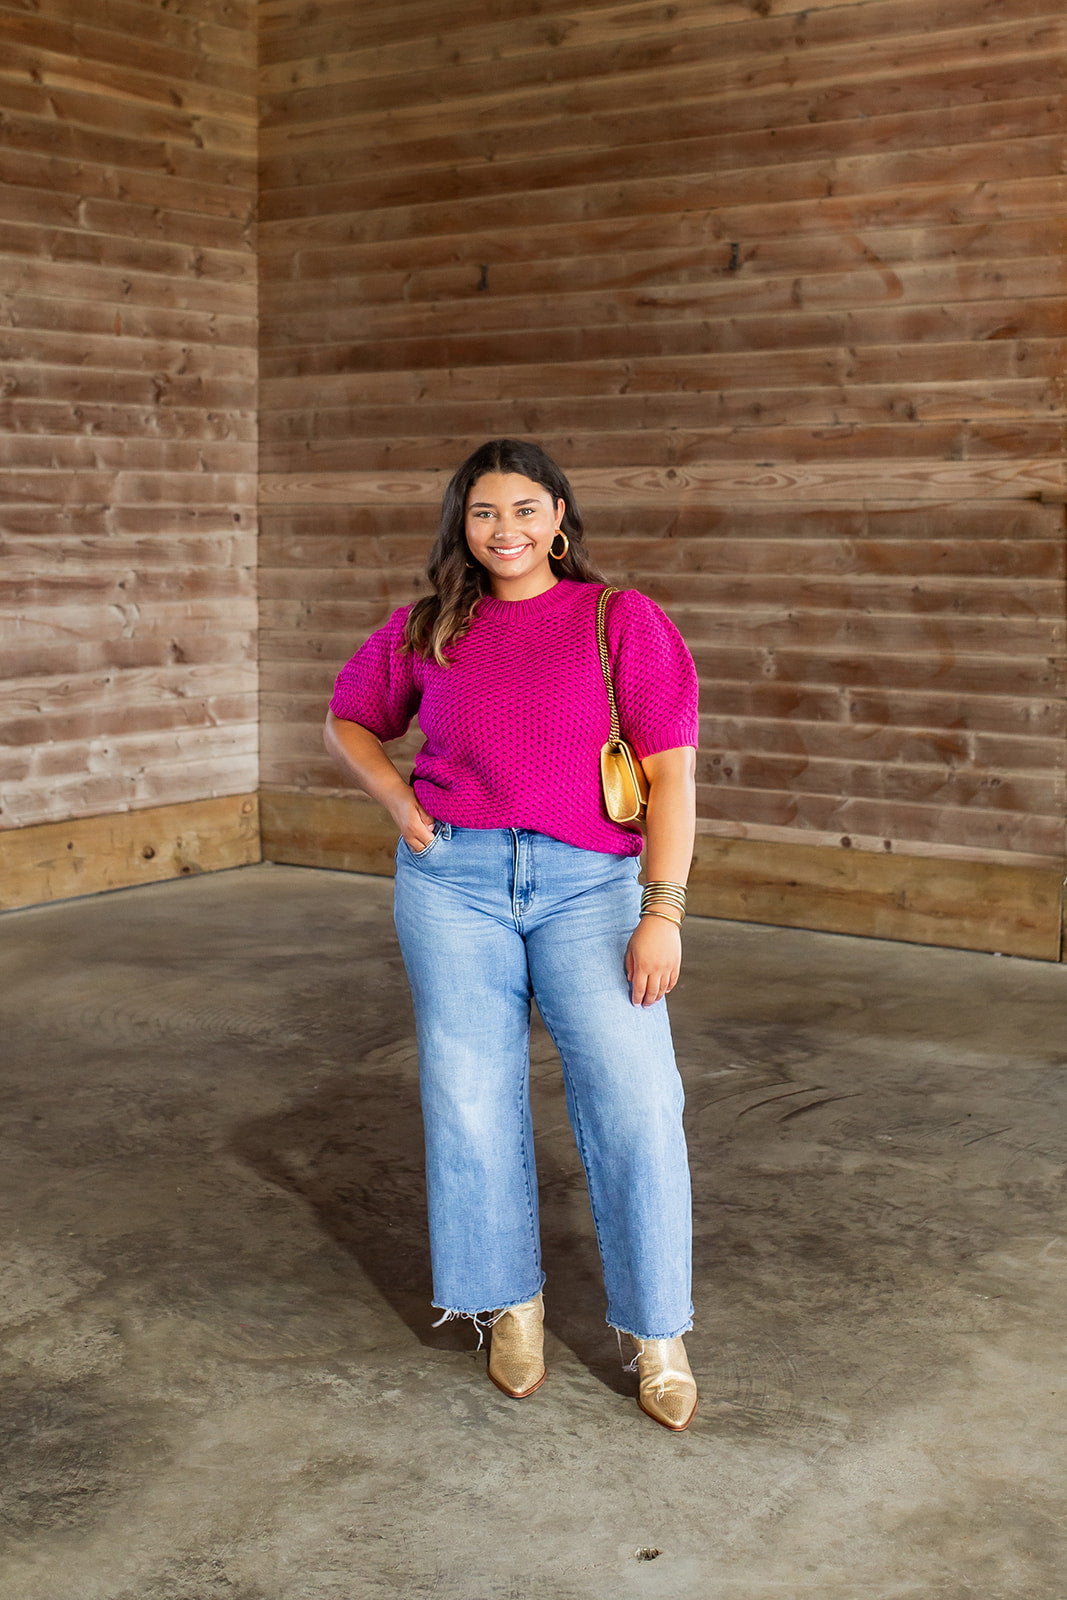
622,777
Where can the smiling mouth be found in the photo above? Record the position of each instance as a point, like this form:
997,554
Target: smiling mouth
507,552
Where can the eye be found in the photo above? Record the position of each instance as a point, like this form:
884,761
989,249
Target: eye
527,511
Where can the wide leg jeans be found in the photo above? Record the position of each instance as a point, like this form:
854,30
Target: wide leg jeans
486,919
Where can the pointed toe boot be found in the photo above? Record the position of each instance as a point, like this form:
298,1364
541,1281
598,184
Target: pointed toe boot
516,1351
666,1388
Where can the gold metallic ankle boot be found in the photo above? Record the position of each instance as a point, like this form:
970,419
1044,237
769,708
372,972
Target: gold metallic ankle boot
666,1389
516,1353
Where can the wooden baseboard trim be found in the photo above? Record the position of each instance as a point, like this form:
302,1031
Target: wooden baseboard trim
966,905
344,831
969,905
58,860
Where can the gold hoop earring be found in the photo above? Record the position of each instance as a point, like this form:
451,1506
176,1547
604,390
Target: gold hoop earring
559,533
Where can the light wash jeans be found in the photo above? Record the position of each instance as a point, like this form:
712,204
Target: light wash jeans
486,918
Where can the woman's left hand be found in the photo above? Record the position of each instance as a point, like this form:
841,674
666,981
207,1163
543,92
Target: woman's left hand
653,960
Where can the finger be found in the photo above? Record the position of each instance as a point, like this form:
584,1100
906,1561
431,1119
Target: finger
656,988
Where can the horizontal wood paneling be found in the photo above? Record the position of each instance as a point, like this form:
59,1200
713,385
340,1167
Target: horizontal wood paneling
707,484
497,69
964,104
128,426
782,287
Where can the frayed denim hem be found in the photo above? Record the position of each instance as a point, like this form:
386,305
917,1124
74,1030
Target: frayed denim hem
631,1365
469,1316
483,1320
686,1328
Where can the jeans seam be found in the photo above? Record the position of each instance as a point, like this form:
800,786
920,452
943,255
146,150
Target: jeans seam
580,1139
524,893
524,1096
524,1083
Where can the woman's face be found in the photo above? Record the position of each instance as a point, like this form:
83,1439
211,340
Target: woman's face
510,524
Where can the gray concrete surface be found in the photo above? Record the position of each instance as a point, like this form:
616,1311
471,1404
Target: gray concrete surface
220,1379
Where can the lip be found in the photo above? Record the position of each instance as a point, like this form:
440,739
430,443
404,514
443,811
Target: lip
508,552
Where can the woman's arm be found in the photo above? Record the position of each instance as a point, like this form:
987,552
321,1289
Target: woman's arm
654,954
361,758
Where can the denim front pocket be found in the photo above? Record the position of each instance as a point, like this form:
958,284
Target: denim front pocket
420,855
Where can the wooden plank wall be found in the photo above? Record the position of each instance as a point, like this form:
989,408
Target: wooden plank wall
782,285
127,410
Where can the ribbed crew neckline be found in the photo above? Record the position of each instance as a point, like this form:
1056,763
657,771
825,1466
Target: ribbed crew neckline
522,610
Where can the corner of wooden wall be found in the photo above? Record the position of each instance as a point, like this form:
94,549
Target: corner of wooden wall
346,832
967,905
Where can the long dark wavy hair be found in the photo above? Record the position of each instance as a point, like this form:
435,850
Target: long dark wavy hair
441,618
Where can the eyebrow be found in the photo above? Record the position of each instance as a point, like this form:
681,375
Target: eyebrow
490,505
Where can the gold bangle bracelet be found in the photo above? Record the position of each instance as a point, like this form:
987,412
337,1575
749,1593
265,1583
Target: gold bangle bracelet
670,901
665,891
672,920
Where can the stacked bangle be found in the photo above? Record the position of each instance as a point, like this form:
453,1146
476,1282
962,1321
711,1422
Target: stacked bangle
668,896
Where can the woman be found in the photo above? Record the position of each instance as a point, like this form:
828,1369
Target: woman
512,881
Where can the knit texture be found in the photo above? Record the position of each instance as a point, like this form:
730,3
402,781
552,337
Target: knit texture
514,725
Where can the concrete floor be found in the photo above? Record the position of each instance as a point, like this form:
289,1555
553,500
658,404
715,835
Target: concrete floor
220,1378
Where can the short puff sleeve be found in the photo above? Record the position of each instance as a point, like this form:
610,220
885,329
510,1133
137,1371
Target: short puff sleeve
654,676
378,687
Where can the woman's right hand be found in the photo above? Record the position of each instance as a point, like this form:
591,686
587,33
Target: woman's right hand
360,756
414,822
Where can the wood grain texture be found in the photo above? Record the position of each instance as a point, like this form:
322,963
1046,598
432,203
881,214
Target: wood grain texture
128,425
342,832
974,905
799,345
117,850
708,484
782,287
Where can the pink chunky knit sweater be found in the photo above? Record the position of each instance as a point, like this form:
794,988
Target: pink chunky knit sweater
515,723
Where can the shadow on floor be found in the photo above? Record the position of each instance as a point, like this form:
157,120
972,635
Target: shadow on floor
352,1150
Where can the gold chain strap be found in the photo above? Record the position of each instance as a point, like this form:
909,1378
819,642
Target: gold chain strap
605,663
